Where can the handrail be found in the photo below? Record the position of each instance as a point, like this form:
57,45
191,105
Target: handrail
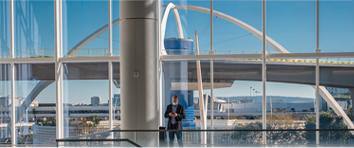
97,140
229,130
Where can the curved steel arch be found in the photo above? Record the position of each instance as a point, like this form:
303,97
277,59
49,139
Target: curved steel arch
164,24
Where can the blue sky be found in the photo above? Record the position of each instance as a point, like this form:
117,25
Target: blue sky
289,22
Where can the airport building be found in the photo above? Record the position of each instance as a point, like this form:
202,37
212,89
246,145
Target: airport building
212,73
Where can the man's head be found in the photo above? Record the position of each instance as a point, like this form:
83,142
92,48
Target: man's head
174,100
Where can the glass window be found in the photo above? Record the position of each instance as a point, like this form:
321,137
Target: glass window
85,28
5,105
35,104
291,28
238,94
336,78
232,24
238,101
115,33
4,29
180,79
290,101
116,96
34,28
85,98
336,26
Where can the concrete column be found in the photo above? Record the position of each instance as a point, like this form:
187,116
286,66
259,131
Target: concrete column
139,59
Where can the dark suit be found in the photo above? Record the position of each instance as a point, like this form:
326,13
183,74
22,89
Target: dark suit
177,126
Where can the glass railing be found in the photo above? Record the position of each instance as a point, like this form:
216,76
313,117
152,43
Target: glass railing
215,138
96,143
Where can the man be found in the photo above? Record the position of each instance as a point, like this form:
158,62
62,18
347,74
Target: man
175,114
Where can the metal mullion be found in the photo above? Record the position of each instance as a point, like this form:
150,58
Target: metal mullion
59,69
13,104
312,55
208,57
110,66
13,73
30,60
264,73
159,79
317,107
110,91
90,59
259,56
211,52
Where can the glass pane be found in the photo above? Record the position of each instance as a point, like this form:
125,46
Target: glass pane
290,100
5,105
35,104
180,79
4,28
232,35
330,119
34,28
85,28
289,106
115,33
238,93
116,96
337,26
336,75
292,29
85,98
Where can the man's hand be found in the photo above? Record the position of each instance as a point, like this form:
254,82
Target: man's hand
172,114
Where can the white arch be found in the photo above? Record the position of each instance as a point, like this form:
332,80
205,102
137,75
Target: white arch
164,24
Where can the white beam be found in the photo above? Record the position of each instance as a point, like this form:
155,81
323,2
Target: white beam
203,122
